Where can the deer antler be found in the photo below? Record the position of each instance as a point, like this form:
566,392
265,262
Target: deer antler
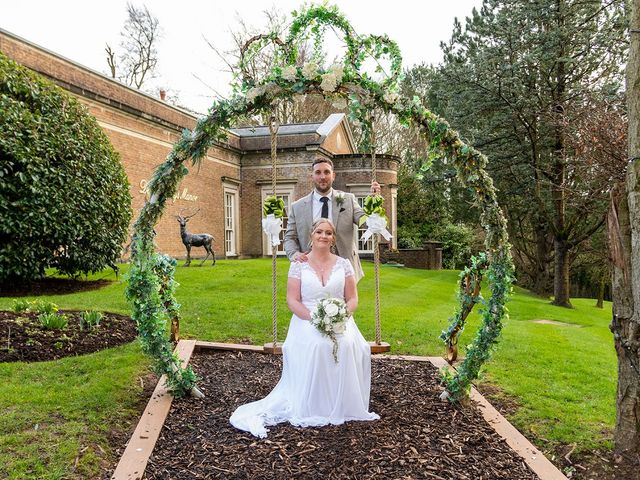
187,216
193,214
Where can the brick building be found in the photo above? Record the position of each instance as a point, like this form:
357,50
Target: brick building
228,188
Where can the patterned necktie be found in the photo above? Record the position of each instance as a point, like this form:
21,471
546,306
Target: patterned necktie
325,207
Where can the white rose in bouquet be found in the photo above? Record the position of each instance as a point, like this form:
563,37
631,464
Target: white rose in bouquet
332,310
329,317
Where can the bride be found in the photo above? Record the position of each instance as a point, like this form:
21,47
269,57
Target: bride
314,389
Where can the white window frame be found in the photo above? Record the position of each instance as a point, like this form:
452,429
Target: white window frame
233,191
281,191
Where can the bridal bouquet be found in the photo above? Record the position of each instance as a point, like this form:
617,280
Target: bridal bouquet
330,317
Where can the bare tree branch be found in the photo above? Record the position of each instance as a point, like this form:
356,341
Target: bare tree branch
139,56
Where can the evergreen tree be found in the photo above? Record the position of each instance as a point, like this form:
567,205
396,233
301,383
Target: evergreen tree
509,82
432,203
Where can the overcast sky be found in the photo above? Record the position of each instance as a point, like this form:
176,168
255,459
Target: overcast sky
79,30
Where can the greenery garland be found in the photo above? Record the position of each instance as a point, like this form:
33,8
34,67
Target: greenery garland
273,205
346,81
372,205
468,296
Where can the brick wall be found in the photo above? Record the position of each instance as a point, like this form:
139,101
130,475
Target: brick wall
87,83
142,149
143,130
294,172
427,258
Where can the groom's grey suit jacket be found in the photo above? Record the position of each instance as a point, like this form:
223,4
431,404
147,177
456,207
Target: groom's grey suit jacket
345,217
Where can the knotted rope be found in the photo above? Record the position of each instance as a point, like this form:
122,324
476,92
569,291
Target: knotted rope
273,129
376,251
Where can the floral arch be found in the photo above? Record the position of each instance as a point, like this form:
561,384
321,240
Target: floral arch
151,283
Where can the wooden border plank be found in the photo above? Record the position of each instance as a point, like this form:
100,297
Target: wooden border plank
240,347
136,455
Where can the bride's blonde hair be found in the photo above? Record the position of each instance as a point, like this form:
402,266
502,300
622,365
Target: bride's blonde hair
314,227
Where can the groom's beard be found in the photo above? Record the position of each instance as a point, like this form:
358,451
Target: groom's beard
323,190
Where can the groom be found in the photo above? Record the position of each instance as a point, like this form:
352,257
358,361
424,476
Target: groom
324,202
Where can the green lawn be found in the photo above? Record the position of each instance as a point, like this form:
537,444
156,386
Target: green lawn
561,376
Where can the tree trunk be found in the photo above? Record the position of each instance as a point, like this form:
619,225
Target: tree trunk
561,291
624,329
541,273
624,237
601,286
561,274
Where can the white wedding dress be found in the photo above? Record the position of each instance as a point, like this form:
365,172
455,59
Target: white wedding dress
314,390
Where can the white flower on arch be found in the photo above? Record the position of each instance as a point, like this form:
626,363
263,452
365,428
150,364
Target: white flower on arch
329,82
290,72
310,71
390,97
339,102
254,92
338,70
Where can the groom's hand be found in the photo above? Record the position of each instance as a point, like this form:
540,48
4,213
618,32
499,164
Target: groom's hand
375,188
300,257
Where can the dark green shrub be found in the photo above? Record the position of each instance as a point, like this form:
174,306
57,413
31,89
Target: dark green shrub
410,236
457,240
64,196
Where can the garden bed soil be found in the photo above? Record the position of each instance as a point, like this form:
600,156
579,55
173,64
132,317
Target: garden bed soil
418,436
596,465
22,337
51,286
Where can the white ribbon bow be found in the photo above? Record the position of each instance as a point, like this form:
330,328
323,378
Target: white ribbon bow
272,226
376,224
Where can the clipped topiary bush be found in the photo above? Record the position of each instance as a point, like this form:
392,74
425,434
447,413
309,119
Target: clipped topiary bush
64,195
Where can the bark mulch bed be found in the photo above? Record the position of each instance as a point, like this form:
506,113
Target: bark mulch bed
418,436
22,338
51,286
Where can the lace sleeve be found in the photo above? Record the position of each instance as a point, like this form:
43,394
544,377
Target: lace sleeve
294,270
348,268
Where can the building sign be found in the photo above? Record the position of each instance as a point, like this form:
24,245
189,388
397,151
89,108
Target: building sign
184,195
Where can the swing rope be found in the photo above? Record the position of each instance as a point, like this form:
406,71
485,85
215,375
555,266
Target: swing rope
375,238
273,129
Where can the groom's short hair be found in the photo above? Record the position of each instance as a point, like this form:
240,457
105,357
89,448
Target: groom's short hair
321,160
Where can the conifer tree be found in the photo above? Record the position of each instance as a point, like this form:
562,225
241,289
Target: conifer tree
510,79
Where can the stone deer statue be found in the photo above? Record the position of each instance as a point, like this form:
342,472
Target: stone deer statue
195,239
